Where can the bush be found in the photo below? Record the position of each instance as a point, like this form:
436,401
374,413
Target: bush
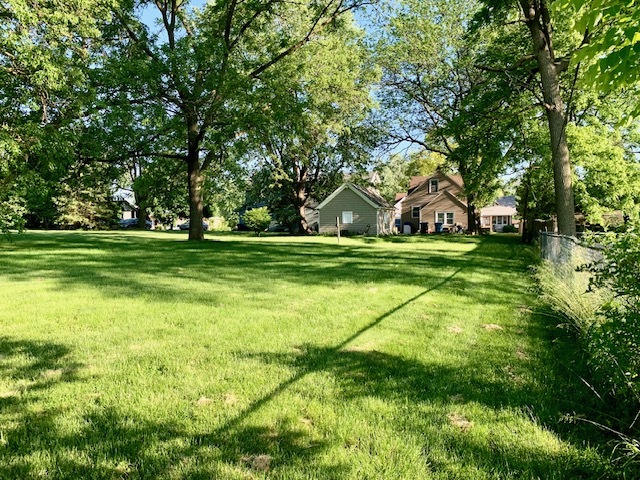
602,303
257,219
509,229
616,343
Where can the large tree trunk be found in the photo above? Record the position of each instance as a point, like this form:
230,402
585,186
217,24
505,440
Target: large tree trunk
300,198
472,216
537,17
196,181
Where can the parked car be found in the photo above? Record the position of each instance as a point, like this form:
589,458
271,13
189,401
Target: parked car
185,226
133,223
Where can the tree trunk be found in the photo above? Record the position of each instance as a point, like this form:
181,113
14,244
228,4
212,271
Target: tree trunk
196,180
472,223
537,18
526,223
300,198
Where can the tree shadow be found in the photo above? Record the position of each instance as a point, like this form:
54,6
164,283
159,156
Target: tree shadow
117,265
30,366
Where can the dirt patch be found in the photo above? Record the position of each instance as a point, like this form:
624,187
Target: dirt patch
455,329
52,373
521,355
456,398
230,399
261,463
460,422
202,401
491,326
365,347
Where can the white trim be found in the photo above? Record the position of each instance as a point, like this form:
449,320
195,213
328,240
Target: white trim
350,214
339,190
437,180
444,223
419,211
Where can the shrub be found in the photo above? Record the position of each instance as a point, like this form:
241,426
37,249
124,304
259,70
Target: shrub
257,219
601,300
509,229
616,343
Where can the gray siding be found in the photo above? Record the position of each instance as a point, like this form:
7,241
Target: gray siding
347,200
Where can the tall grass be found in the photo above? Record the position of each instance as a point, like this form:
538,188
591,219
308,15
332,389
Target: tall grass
599,302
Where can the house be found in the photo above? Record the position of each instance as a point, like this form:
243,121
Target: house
127,202
501,213
400,196
357,210
434,203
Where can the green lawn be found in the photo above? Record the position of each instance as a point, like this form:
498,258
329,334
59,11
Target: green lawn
141,355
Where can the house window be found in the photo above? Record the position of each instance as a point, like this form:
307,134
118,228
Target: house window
445,218
433,185
415,212
347,217
501,220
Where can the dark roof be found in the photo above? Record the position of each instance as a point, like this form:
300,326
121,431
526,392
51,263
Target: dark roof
416,181
373,196
508,201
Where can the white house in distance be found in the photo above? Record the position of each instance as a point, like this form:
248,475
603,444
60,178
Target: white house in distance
501,213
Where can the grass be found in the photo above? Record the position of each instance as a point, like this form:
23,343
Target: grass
141,355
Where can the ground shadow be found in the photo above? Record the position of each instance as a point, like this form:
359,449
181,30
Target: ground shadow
104,261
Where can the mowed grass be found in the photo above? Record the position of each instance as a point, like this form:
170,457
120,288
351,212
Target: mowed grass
141,355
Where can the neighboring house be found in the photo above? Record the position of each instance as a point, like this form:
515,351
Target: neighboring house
400,196
357,209
434,202
126,200
501,213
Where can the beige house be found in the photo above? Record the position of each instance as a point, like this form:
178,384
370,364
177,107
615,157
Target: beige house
356,210
434,202
496,217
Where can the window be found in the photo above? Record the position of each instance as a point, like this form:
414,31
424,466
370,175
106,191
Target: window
347,217
501,220
415,212
445,218
433,185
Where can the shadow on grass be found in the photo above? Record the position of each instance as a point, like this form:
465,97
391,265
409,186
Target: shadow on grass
110,443
117,265
31,366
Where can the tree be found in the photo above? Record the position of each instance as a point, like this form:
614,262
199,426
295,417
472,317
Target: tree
611,49
313,128
431,90
396,171
202,70
43,77
606,173
541,62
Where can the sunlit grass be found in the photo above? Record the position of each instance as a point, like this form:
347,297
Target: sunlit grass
141,355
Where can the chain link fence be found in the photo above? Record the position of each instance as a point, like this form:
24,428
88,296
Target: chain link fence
565,254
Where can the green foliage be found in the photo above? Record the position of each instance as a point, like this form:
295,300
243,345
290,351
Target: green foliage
612,52
509,229
314,127
11,213
257,219
435,96
396,171
617,342
601,301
